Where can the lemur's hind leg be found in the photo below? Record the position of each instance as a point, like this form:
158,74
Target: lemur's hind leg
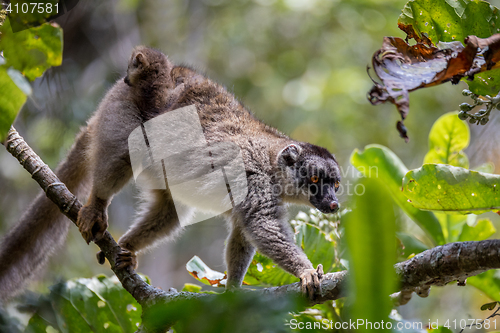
157,219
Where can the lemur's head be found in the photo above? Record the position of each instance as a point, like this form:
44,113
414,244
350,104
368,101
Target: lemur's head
147,65
309,174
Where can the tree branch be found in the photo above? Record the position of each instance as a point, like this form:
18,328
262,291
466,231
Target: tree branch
437,266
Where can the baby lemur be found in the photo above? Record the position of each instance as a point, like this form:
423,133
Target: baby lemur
278,170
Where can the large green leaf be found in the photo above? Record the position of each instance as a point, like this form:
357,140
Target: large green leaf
381,163
450,20
452,189
488,282
97,304
448,137
370,232
454,20
12,99
32,51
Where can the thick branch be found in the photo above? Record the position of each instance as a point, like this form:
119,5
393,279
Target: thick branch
437,266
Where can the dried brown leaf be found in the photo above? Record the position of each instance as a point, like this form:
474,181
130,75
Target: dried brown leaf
403,68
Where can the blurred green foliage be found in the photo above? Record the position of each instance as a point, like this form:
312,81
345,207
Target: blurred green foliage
370,232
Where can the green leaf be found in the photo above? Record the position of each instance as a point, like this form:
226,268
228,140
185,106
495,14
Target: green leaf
12,99
448,137
489,306
481,231
193,288
488,282
263,270
381,163
454,20
318,248
450,20
370,237
452,225
97,304
485,83
452,189
32,51
487,167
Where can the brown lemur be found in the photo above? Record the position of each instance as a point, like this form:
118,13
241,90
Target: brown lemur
278,170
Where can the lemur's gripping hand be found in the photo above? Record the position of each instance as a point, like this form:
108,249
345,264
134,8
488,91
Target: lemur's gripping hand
311,281
124,258
93,220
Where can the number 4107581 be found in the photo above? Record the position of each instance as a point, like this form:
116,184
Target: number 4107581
33,7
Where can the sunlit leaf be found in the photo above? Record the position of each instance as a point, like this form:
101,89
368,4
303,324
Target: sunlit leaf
382,164
12,99
191,288
32,51
452,189
448,137
448,21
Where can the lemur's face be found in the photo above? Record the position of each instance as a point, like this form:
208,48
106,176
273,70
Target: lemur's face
313,173
145,64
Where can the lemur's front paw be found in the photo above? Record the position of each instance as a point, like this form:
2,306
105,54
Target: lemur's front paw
92,223
126,258
311,281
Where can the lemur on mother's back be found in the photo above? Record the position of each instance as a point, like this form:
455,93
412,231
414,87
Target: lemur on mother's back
99,161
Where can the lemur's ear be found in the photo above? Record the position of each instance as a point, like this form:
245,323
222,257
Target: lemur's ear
289,155
139,59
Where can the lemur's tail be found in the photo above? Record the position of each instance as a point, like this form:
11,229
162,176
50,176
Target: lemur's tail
42,229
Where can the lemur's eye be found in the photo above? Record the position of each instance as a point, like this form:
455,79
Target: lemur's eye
314,179
337,184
